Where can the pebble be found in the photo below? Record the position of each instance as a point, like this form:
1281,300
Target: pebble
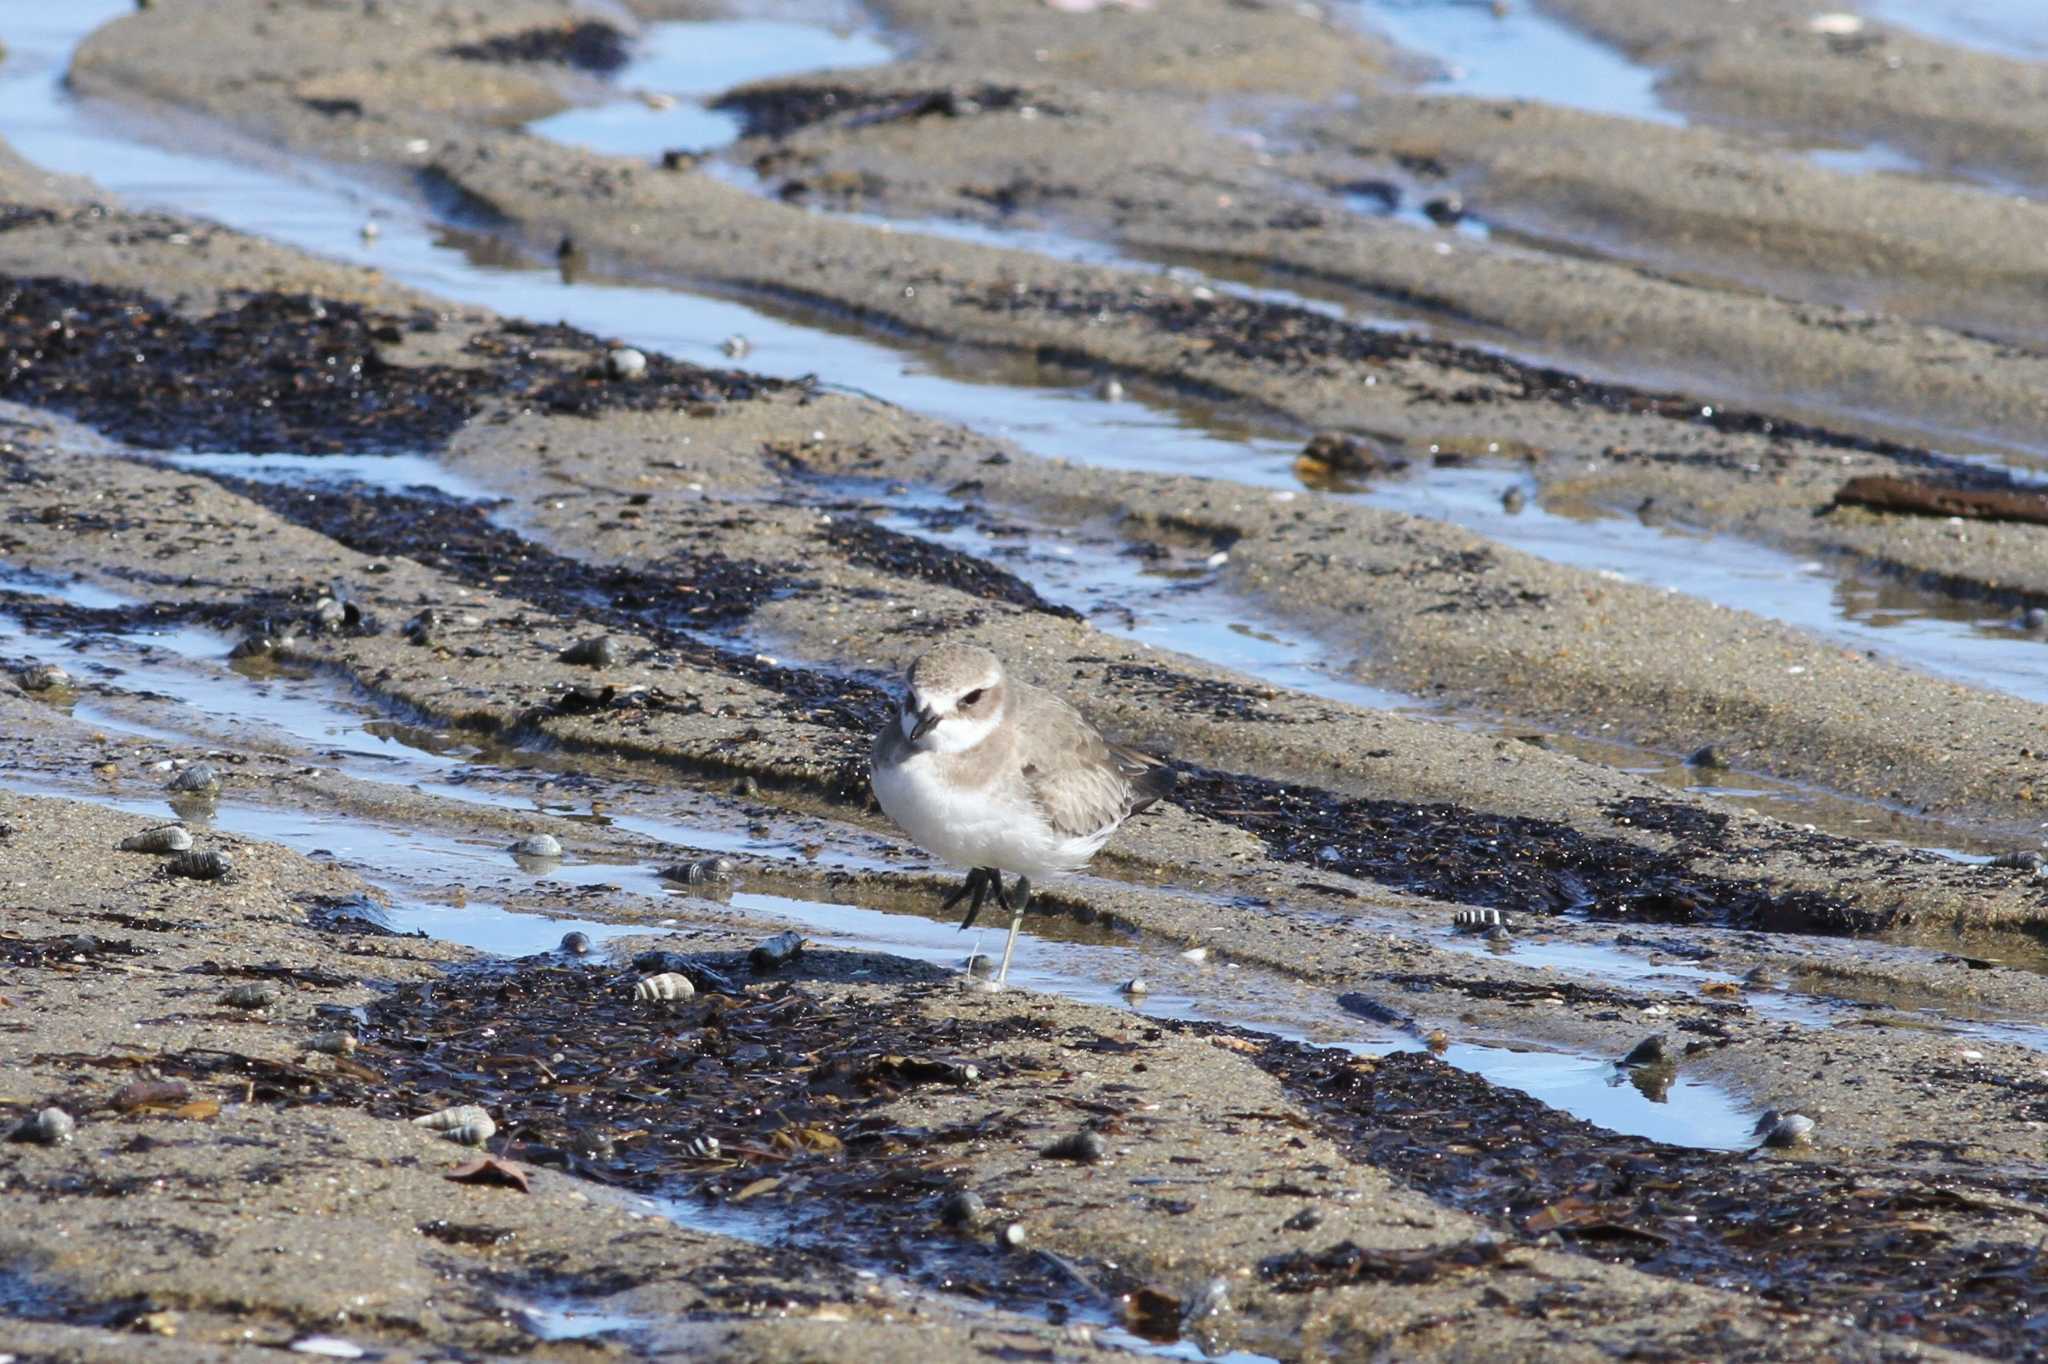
2034,618
1196,954
538,845
703,871
1110,391
962,1208
250,997
599,651
736,346
1790,1129
625,363
51,1127
576,943
336,1043
1011,1237
1651,1051
1705,756
1084,1146
42,677
774,953
1135,986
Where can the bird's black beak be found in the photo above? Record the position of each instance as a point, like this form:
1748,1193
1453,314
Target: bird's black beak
925,720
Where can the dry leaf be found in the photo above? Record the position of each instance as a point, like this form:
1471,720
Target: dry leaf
1238,1044
198,1109
141,1094
491,1170
758,1187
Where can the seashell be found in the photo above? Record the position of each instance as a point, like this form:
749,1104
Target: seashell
1791,1129
164,838
701,872
336,1043
442,1119
1011,1237
776,952
1110,390
538,845
1437,1040
51,1127
198,779
669,985
1650,1051
623,362
599,651
1195,954
1513,500
1477,920
1212,1299
736,346
472,1133
200,866
703,1148
962,1208
250,997
326,1347
1134,987
1083,1146
576,943
2034,618
1706,756
42,677
2026,859
979,964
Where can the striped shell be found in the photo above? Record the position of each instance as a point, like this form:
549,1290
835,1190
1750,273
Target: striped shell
667,985
200,866
464,1119
1473,920
702,872
165,838
250,997
198,779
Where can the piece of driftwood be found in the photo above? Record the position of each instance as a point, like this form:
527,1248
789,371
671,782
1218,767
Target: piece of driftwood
1918,497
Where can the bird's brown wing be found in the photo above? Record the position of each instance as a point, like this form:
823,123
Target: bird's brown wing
1083,783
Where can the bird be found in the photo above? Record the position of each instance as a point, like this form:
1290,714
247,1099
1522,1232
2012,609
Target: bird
995,775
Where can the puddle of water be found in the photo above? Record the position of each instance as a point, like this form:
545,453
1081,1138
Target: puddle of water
1179,609
1517,52
1691,1113
390,473
2013,28
677,66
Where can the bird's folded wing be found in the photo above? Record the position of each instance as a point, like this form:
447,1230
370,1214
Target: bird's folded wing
1082,783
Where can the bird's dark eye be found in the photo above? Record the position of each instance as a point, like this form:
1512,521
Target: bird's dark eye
972,696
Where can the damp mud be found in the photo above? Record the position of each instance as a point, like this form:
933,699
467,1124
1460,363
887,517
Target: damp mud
1543,955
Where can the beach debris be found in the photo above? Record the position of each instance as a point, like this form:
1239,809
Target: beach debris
624,362
668,986
210,865
599,651
200,779
772,954
51,1127
466,1124
1085,1147
164,838
491,1170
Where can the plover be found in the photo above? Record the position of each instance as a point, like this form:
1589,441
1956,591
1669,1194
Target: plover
997,776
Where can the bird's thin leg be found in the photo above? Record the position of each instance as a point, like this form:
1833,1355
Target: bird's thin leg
1020,896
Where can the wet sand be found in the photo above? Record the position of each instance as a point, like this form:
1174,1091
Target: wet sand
1237,1188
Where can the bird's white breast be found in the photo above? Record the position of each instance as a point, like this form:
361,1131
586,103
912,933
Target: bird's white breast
988,826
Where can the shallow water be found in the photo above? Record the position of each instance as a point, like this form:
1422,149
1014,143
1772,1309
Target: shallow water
2014,28
1515,51
683,65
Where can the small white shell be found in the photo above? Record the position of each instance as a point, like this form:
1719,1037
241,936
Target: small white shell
1135,986
538,845
667,985
1196,954
473,1133
1793,1129
625,363
51,1127
448,1119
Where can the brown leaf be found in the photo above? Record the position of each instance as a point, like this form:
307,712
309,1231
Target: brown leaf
1720,987
141,1094
758,1187
491,1170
